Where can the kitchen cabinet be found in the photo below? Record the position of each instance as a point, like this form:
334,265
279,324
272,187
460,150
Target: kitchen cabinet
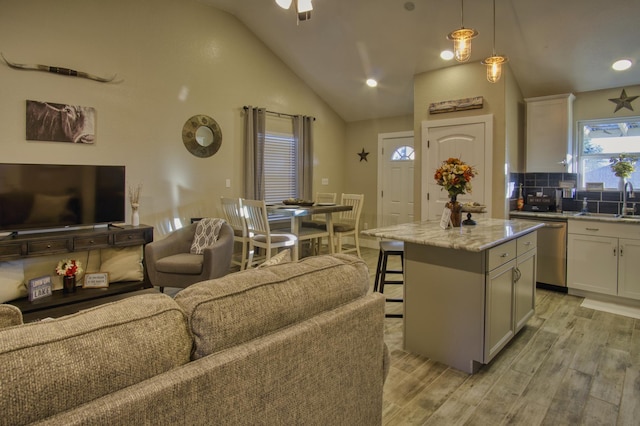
510,292
549,125
603,257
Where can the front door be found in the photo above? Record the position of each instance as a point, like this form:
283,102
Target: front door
396,165
442,140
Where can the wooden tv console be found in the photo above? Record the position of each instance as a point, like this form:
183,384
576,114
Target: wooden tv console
24,246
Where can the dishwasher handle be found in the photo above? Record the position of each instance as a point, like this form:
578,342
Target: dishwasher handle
554,225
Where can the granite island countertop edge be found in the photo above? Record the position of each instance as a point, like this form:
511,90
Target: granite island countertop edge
485,235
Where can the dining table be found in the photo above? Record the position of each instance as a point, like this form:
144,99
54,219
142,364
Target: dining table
299,213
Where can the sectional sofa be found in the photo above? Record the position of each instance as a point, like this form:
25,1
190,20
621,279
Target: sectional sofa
299,343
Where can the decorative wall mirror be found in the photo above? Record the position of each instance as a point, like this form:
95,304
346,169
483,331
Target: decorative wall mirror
202,136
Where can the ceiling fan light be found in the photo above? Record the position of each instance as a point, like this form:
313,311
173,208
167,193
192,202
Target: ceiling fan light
285,4
304,6
494,67
462,43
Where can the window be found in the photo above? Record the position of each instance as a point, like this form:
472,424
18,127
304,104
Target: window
280,156
599,141
404,153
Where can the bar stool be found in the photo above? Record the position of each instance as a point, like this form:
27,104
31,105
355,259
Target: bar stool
389,248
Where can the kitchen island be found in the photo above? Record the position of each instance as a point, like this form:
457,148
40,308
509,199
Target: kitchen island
467,291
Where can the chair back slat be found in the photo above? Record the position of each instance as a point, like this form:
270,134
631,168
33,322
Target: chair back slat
355,201
326,197
233,214
255,214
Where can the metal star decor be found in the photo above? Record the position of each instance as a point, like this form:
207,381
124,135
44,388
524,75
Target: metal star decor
623,101
363,155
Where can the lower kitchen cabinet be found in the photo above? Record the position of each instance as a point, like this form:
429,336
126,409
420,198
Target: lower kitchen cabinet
601,258
629,268
510,293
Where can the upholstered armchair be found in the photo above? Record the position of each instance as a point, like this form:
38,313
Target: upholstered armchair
171,263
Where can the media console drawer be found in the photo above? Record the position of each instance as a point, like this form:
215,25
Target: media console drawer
92,242
129,237
49,246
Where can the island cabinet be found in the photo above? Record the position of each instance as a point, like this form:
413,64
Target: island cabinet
604,258
462,307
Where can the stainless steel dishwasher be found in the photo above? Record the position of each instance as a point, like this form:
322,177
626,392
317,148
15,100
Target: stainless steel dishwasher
552,253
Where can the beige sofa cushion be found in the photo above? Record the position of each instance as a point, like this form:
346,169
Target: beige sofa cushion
54,365
242,306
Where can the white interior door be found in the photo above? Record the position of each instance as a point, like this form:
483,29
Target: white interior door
395,180
468,140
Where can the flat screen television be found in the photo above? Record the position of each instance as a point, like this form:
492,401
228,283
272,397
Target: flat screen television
41,196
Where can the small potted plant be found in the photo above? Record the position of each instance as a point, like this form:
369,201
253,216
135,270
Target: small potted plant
68,269
623,166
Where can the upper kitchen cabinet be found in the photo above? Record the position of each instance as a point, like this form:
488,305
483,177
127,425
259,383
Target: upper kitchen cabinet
549,133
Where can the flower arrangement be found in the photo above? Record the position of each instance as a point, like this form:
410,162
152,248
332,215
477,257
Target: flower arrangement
69,267
134,196
455,176
623,165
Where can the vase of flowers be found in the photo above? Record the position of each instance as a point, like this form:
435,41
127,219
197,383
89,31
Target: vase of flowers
455,176
623,166
68,269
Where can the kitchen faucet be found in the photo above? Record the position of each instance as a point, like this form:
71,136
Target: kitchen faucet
625,209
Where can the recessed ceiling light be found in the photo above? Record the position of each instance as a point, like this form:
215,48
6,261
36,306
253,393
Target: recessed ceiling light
371,82
621,65
447,55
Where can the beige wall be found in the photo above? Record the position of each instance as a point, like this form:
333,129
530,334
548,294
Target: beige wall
596,104
361,177
177,58
465,81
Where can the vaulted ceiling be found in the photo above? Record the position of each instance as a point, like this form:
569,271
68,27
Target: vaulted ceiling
554,46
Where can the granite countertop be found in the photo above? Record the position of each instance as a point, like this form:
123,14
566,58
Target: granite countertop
600,217
486,234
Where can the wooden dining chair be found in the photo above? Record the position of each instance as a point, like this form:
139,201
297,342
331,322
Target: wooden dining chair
232,213
347,223
319,220
260,235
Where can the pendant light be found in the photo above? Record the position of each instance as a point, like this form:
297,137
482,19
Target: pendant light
462,39
494,62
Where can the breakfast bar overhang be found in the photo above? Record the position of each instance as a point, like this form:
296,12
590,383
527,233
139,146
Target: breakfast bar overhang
468,290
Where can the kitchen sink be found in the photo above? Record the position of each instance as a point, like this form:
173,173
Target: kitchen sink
611,215
607,215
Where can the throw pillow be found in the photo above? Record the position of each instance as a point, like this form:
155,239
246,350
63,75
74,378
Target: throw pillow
206,235
122,264
283,257
12,281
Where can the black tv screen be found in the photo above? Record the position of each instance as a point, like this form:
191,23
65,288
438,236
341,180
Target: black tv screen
39,196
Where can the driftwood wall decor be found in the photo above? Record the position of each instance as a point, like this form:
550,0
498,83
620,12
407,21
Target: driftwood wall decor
456,105
59,70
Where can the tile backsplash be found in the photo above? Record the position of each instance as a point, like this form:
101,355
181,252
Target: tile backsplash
605,201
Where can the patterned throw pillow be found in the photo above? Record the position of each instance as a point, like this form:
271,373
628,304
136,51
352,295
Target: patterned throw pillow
206,234
283,257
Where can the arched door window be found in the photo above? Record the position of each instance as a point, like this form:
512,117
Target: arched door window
403,153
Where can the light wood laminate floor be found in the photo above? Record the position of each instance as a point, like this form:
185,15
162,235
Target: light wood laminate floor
568,366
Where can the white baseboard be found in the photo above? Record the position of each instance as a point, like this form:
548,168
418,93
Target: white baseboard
612,308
